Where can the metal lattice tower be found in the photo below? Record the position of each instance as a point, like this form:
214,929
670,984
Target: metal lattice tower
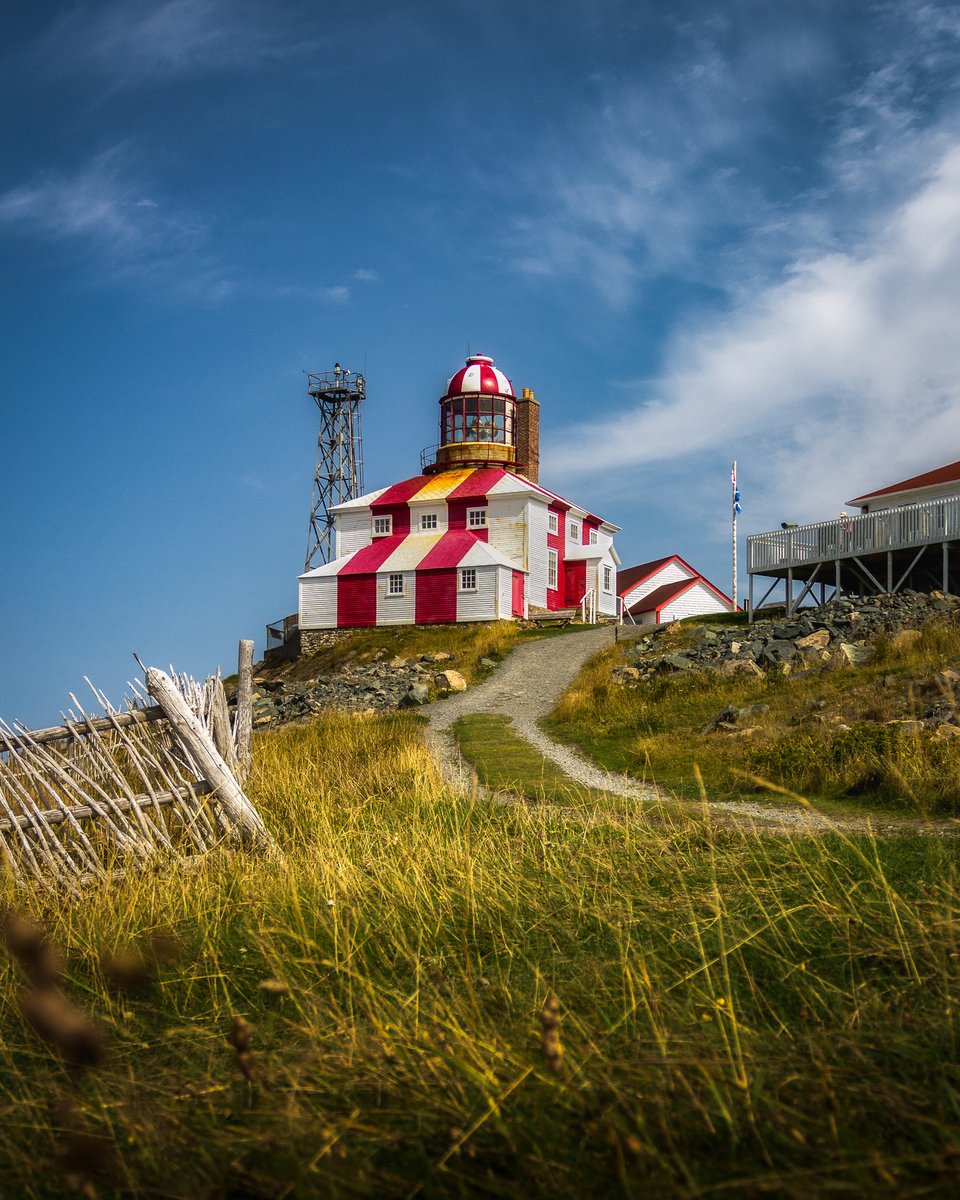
339,472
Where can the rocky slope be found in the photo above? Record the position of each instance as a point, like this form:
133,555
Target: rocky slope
384,684
836,634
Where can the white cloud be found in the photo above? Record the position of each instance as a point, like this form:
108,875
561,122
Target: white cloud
366,275
138,41
842,375
107,218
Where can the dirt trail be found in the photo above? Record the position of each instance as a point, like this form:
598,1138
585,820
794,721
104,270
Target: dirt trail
528,684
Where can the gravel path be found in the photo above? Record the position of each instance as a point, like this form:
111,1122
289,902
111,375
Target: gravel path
525,687
528,684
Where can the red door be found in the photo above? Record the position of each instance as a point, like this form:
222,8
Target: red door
517,605
574,581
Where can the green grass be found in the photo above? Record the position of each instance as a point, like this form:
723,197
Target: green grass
507,763
739,1015
655,730
467,644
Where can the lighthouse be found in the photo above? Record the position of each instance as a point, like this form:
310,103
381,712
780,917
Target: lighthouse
483,423
474,536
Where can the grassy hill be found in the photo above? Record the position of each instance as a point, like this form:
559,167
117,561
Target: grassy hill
447,997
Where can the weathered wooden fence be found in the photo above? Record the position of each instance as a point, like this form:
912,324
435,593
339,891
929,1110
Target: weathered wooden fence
102,793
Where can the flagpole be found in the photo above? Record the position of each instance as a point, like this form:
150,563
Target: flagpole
733,515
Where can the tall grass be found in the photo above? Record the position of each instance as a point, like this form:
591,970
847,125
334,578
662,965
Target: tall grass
450,998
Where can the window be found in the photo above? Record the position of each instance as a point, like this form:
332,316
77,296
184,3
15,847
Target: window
468,579
608,579
476,518
574,529
552,570
382,525
428,520
593,537
395,585
477,419
553,523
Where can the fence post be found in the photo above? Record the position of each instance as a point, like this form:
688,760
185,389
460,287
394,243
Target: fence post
244,727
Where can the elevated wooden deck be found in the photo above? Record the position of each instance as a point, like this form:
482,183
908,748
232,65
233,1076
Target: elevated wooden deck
914,546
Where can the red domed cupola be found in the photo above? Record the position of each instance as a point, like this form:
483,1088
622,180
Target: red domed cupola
479,375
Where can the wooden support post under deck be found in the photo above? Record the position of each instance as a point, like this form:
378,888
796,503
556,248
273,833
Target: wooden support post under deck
946,567
789,604
889,570
750,602
836,568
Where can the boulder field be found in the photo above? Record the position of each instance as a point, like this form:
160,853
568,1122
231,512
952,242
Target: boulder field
835,634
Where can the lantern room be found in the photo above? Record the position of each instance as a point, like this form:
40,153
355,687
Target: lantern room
480,418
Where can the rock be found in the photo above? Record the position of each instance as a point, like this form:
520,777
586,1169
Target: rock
449,681
740,666
676,662
628,674
396,662
854,654
948,730
906,725
268,717
817,640
488,663
726,717
947,679
415,695
905,639
442,656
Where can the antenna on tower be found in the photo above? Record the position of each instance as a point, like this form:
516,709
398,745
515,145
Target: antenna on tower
338,475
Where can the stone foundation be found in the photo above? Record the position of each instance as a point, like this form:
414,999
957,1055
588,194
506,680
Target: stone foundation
312,640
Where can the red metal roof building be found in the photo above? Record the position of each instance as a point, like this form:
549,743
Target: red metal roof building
942,481
474,537
668,589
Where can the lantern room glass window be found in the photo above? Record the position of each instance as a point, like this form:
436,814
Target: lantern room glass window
477,419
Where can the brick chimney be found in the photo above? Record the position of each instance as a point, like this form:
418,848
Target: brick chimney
527,436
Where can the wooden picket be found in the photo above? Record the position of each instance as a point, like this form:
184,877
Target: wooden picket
99,793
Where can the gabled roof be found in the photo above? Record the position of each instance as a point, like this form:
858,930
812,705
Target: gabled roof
631,576
662,596
948,474
468,484
415,552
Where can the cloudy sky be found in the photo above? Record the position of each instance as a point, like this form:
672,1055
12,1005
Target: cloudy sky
697,231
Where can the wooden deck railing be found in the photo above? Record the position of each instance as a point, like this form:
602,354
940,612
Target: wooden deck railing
913,525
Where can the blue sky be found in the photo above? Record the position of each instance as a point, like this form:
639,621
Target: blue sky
697,231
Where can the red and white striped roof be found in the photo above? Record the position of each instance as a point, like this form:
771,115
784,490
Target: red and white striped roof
470,483
478,376
415,552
